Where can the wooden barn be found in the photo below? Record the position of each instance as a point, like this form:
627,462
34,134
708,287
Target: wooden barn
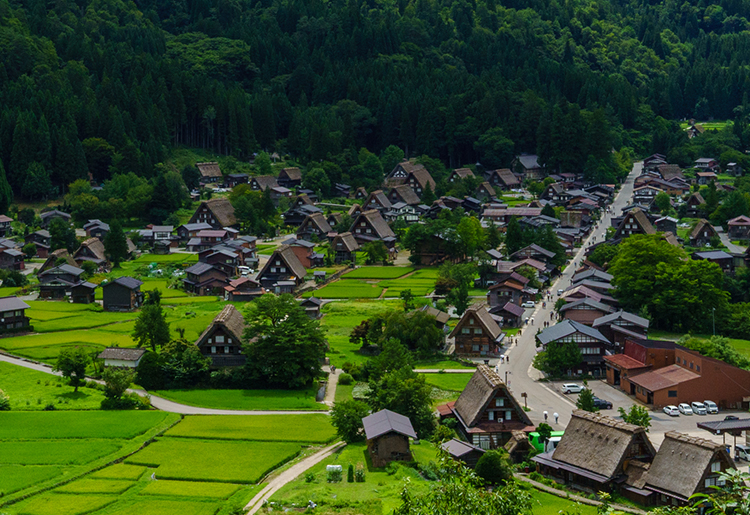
388,436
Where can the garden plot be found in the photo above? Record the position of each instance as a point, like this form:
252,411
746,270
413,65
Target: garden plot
348,289
283,428
191,489
448,381
378,272
88,424
56,452
210,460
18,477
159,507
95,486
120,471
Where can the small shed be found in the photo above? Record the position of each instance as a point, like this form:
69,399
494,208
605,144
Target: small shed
311,306
463,451
388,436
83,293
117,357
122,294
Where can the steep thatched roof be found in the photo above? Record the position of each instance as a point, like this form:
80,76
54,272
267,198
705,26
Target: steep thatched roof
229,318
376,221
287,255
702,225
209,169
54,256
406,194
484,318
347,241
379,198
316,220
463,173
479,392
265,181
94,245
223,211
598,443
682,460
292,173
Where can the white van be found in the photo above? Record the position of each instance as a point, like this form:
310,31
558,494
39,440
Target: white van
551,444
742,452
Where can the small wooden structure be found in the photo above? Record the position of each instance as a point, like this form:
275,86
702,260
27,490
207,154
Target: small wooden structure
463,451
388,436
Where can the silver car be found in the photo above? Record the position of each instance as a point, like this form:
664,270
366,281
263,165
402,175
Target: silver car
698,408
711,407
572,388
685,409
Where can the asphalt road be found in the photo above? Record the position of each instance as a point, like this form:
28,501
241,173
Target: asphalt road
546,396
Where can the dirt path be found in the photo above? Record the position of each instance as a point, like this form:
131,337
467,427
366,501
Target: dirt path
256,503
333,381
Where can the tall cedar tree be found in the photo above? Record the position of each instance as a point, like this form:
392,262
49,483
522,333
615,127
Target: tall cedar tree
115,244
284,346
6,193
63,236
151,327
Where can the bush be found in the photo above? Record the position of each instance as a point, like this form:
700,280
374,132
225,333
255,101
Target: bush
4,401
346,417
49,407
126,402
494,467
359,474
334,476
346,379
350,474
309,477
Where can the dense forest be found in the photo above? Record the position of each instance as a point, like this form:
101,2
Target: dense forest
108,86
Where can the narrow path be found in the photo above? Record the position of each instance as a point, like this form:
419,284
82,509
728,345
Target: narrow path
333,381
161,403
256,503
731,247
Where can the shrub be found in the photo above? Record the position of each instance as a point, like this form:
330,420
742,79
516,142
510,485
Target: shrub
126,402
334,476
350,474
309,477
359,474
346,379
4,401
346,417
494,467
49,407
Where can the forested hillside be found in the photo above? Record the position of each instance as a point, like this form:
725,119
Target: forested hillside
107,86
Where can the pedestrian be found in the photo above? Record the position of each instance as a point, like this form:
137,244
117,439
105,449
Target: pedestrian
507,359
545,416
502,359
333,369
557,417
532,320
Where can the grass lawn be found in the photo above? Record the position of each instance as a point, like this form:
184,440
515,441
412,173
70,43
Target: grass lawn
341,317
67,424
173,258
311,428
454,382
379,272
344,392
32,390
17,477
378,485
442,364
63,504
191,489
210,460
418,287
544,503
348,289
56,452
272,400
742,346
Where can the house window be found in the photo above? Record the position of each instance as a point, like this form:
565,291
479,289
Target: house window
478,330
278,262
213,349
471,321
210,340
697,368
671,393
226,349
716,466
691,364
710,481
499,402
229,340
282,269
465,330
508,414
219,339
475,348
491,415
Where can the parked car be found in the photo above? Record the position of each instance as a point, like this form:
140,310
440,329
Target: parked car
602,404
528,304
698,408
672,411
742,452
711,407
572,388
685,409
560,292
731,417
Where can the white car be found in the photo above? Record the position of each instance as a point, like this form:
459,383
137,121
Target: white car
572,388
711,407
698,408
528,304
685,409
672,411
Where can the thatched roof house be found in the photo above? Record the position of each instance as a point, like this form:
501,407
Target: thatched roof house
209,171
685,465
222,339
217,212
595,451
486,411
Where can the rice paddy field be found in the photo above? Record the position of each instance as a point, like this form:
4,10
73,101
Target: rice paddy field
51,463
272,400
370,282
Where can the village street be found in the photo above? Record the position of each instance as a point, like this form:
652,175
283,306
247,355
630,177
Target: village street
546,396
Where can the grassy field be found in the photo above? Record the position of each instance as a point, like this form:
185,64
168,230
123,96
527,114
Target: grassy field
548,504
211,460
18,477
378,272
453,382
173,258
272,400
341,317
159,507
311,428
63,504
442,364
120,471
56,452
348,289
742,346
95,486
32,390
378,485
343,392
